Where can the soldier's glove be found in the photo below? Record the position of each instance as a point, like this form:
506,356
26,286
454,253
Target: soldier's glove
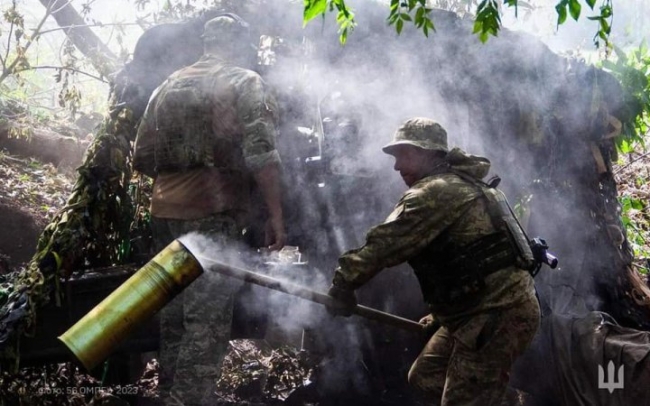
345,299
430,324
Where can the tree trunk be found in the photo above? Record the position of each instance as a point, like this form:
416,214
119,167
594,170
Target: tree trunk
46,146
101,57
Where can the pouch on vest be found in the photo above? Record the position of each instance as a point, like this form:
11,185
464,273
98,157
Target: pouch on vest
504,219
183,125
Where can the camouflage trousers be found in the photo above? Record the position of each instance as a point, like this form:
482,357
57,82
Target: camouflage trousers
195,326
471,365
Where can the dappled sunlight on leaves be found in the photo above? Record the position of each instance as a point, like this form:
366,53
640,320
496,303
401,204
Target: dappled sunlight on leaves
633,178
252,370
37,188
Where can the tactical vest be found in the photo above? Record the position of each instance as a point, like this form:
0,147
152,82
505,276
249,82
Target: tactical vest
449,273
183,121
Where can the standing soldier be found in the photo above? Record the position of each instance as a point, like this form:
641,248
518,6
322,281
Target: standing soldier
470,256
208,130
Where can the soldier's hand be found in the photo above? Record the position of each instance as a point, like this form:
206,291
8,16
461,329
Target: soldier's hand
275,236
430,324
346,301
428,319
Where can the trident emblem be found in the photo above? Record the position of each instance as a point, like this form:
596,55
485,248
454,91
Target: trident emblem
611,384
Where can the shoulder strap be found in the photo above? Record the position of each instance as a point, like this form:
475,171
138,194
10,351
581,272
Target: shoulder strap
491,185
504,218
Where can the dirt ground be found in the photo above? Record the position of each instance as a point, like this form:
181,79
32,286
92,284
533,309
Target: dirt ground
30,194
253,373
19,234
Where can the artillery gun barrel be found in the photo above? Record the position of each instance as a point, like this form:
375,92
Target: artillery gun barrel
311,295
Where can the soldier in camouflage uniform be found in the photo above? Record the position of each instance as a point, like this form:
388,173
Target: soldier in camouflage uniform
470,256
204,152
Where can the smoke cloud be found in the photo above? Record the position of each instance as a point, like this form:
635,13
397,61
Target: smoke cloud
512,100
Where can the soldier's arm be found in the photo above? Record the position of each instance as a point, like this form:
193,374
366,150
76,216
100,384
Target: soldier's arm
144,148
268,179
258,114
419,217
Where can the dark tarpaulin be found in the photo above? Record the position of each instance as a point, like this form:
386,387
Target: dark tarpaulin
561,368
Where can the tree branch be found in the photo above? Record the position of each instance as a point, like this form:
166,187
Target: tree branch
9,70
86,25
83,38
70,69
632,161
11,31
62,6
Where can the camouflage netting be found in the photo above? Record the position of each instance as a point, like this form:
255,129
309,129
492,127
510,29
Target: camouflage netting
96,227
561,143
105,219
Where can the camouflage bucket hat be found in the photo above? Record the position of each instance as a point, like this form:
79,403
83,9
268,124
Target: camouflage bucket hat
419,132
226,29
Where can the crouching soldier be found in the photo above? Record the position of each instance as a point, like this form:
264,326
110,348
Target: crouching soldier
471,258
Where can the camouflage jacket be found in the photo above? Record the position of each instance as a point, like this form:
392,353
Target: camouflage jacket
442,206
243,125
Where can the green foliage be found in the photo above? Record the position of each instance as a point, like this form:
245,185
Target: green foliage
487,19
638,231
15,33
27,60
632,71
629,203
414,11
604,22
314,8
572,6
344,15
